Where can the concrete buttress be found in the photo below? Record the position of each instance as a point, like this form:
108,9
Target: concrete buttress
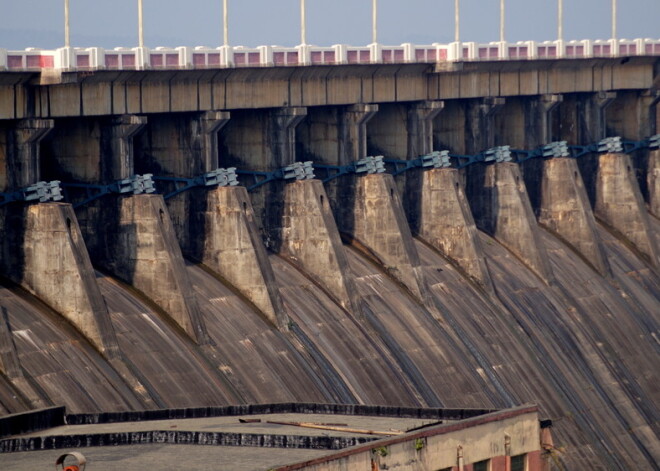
144,252
310,240
565,209
233,247
57,269
619,204
653,178
380,226
446,223
501,207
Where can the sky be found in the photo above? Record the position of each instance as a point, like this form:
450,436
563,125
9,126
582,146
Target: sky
112,23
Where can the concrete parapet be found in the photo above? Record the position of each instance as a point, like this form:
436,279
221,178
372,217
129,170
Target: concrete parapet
619,204
57,269
380,225
564,208
501,207
653,179
310,239
143,251
445,222
233,247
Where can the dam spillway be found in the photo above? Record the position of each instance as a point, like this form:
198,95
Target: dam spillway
519,281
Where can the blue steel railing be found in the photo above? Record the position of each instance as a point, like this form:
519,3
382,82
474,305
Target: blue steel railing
144,184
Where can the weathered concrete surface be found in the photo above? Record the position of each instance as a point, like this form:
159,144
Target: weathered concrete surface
446,222
501,207
181,145
233,247
565,210
60,366
263,141
310,240
24,394
380,226
56,268
653,178
22,164
142,92
619,203
143,251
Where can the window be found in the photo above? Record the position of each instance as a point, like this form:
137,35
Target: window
518,463
481,466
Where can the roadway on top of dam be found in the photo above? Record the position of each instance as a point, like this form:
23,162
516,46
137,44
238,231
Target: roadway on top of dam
105,92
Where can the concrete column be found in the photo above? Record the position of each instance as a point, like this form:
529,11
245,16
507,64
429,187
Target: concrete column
480,133
381,226
446,223
405,132
23,152
619,204
263,140
182,145
501,207
232,247
118,136
310,240
564,209
143,251
632,115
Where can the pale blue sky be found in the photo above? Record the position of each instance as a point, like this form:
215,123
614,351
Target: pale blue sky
110,23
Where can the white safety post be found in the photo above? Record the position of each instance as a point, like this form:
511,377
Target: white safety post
501,21
614,13
225,23
560,20
67,30
303,25
457,21
140,25
374,21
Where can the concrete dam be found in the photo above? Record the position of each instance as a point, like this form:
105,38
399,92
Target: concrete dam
503,251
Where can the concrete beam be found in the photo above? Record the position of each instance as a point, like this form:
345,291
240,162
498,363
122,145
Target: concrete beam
500,204
619,204
311,241
447,224
232,247
564,209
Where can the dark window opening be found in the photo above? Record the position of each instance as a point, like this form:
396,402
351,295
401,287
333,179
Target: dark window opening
518,463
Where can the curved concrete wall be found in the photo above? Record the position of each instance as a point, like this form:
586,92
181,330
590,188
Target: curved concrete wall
495,318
